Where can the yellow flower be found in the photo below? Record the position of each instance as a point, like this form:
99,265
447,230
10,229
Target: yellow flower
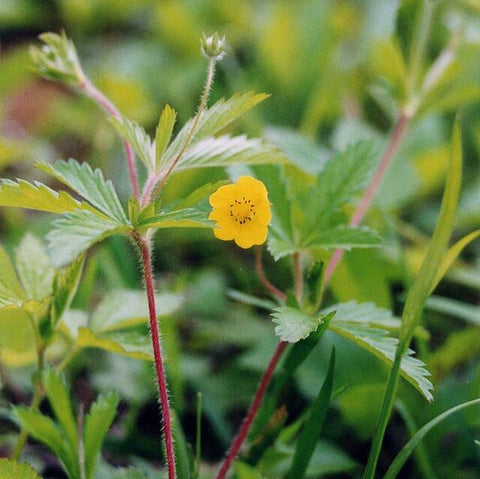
242,212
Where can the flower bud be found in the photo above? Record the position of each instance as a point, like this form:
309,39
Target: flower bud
213,46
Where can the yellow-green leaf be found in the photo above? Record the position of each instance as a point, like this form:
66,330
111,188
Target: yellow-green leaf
164,133
13,469
11,293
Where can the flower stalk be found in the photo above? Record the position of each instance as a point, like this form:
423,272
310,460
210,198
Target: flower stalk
144,248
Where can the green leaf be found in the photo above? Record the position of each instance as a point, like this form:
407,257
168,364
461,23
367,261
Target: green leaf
211,121
33,266
11,293
59,398
227,150
38,197
43,429
74,233
112,314
129,473
131,344
312,426
301,150
141,143
342,178
89,184
164,133
184,218
404,454
57,59
245,471
280,247
344,237
97,424
65,286
451,255
13,469
377,342
454,307
293,324
199,195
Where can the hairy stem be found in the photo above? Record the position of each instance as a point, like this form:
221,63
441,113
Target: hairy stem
261,275
150,187
395,140
144,248
87,87
257,400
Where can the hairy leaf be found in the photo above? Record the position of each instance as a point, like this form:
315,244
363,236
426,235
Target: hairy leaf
75,232
11,293
97,424
342,178
227,150
142,144
33,266
37,196
293,324
164,133
184,218
199,195
212,121
89,184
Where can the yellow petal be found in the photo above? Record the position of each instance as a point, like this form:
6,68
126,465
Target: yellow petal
224,195
226,232
263,214
247,185
251,234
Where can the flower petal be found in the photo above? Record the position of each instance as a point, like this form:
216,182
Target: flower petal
247,185
251,234
226,232
223,196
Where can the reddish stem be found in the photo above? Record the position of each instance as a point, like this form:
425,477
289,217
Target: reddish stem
257,400
110,108
397,136
261,275
162,383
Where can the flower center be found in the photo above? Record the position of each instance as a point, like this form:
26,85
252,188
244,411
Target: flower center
242,210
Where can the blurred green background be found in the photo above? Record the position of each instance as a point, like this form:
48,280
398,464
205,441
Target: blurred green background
333,71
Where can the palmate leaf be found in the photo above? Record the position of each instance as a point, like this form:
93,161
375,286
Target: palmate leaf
141,143
37,196
34,269
369,330
227,150
184,218
89,184
11,469
211,121
342,178
11,293
75,232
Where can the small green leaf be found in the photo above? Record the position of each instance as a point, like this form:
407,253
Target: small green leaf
89,184
212,121
312,426
33,266
314,284
43,429
11,293
74,233
451,255
280,247
344,237
38,197
65,286
59,398
228,150
13,469
164,133
404,454
132,132
293,324
199,195
97,424
185,218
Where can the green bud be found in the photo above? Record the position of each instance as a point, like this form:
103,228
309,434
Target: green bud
213,46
